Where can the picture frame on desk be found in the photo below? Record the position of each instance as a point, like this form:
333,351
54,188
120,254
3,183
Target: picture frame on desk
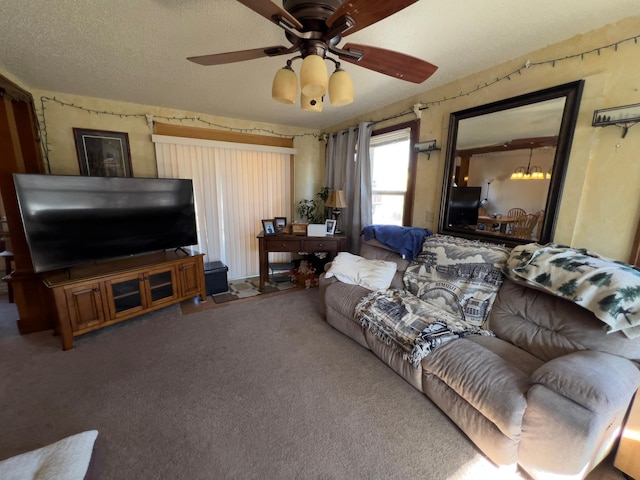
103,153
331,226
269,226
280,223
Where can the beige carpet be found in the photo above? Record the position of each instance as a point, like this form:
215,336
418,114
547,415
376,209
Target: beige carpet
261,389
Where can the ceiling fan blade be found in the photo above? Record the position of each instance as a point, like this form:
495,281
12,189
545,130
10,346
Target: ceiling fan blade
271,11
394,64
241,56
367,12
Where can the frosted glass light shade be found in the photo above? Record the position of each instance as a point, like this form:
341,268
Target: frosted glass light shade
285,86
310,104
340,88
313,76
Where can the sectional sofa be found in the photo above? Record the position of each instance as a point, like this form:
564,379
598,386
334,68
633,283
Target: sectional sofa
540,383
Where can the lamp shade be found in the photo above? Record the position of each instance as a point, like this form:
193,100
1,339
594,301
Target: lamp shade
313,76
285,86
336,199
340,88
310,104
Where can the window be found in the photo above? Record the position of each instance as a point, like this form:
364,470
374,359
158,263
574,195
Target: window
393,165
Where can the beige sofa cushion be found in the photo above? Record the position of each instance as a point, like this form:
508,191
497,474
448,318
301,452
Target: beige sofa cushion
548,326
491,385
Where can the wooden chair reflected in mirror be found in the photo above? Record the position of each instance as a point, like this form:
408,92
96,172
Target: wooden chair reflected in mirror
523,228
516,212
520,214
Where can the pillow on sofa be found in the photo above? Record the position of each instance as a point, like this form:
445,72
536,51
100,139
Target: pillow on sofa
65,459
356,270
460,276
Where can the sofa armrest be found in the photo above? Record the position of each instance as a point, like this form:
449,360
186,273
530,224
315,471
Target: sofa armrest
600,382
323,283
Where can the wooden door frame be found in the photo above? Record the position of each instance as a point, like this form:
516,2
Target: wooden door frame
20,152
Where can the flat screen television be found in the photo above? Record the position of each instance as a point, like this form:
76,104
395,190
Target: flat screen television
72,220
463,206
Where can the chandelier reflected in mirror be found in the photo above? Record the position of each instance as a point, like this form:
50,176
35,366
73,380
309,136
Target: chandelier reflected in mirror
530,172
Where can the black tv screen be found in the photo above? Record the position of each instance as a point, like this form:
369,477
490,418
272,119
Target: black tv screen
464,205
72,220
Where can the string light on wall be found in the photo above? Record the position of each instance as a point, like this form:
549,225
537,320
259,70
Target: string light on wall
513,74
422,105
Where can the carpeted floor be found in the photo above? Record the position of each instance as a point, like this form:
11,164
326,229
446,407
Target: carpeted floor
260,389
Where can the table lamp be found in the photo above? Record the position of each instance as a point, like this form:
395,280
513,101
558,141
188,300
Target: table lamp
336,201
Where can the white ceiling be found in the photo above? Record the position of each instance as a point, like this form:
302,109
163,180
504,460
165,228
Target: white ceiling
136,50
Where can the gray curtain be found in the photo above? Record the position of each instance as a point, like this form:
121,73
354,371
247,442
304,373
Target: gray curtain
348,168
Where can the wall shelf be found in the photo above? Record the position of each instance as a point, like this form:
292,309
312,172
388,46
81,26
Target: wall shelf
624,117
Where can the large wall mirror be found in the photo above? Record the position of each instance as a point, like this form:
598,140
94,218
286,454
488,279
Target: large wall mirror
506,163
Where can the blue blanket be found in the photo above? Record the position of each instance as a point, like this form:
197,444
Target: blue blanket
407,241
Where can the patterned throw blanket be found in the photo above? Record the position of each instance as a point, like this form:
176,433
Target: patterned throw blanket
415,327
609,289
450,288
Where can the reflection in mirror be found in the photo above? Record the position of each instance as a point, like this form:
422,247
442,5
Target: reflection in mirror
505,166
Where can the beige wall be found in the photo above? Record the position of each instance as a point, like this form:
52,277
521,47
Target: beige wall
60,119
600,204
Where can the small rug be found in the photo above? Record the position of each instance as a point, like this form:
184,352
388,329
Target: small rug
245,290
249,287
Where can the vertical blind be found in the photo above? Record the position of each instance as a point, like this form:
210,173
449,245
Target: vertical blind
235,187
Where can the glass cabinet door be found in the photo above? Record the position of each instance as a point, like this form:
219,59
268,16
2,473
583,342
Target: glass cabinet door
138,291
126,293
161,285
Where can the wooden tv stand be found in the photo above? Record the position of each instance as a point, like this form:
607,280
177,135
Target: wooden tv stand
90,297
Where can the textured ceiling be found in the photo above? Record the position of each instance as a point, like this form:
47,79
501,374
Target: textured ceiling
136,50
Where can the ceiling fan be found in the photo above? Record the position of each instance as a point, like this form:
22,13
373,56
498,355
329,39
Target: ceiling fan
315,27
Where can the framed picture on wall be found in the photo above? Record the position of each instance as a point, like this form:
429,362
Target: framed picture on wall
102,153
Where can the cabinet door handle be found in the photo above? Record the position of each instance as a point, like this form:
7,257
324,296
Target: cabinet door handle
321,245
96,289
284,245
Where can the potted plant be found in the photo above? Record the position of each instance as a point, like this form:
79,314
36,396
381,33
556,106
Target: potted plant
313,211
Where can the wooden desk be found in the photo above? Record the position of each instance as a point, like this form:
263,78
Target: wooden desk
503,221
296,243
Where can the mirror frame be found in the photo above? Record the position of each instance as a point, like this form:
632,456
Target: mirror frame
573,92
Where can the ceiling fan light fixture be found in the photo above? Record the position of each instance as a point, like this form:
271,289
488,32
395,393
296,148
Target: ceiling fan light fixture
310,104
313,76
285,86
340,88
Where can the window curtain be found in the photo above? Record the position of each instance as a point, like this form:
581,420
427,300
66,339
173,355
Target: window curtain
348,168
235,187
